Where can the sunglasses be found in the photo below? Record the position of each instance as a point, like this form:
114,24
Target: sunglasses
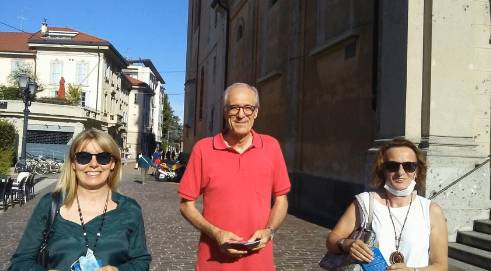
102,158
393,166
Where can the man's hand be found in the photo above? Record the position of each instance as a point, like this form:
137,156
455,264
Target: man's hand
263,235
224,238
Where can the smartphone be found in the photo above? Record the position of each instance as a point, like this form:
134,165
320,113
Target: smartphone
377,264
244,245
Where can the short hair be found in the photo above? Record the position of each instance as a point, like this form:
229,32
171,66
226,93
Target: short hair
378,177
235,85
67,183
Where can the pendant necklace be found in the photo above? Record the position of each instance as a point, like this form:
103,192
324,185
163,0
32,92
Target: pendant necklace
84,229
396,256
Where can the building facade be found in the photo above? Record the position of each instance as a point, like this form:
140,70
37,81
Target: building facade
60,58
338,78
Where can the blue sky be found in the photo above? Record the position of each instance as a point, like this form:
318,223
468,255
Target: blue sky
154,29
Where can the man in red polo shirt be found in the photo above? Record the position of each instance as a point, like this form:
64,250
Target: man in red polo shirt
237,171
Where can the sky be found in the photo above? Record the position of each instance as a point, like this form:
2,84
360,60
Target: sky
154,29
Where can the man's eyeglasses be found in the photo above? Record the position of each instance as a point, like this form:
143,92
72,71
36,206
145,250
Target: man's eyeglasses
102,158
234,110
393,166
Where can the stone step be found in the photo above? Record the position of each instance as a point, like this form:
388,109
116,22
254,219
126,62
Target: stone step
483,226
456,265
474,256
475,239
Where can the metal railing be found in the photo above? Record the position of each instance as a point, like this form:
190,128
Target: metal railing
435,194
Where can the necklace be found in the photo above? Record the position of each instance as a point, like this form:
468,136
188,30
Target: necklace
84,229
396,256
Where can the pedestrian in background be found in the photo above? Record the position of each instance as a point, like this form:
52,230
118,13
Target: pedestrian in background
238,172
144,165
94,225
411,230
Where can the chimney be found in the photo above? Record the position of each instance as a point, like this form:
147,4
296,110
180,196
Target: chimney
44,28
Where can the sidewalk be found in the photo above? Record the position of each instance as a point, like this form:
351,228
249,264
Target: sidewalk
172,241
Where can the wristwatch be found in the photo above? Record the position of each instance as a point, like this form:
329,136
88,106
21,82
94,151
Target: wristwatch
271,232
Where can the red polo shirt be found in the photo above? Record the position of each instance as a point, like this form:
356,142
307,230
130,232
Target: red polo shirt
237,190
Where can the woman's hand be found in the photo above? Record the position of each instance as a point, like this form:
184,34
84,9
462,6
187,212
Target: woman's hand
108,268
359,250
400,267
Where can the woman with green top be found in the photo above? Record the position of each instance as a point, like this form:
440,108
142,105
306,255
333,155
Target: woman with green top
95,225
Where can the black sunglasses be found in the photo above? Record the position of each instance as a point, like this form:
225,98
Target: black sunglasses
393,166
102,158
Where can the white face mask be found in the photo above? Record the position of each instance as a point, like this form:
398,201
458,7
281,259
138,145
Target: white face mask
400,193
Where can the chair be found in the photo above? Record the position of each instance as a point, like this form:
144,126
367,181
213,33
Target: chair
18,192
29,187
21,176
6,193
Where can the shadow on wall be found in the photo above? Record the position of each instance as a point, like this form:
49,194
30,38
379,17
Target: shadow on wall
320,200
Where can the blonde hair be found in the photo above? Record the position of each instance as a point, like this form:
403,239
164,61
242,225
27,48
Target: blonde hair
67,183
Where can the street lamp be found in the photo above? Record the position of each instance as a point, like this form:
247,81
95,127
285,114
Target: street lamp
27,87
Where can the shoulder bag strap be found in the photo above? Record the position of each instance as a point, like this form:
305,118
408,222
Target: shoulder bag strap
370,210
55,205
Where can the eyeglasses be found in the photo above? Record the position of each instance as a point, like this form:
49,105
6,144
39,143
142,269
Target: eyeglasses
393,166
102,158
233,110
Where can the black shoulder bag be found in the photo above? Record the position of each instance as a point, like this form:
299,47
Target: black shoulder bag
43,254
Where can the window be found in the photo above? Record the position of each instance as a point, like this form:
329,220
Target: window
136,98
55,71
197,13
82,69
82,98
216,19
240,31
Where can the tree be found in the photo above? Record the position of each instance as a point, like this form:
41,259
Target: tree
8,137
74,94
171,126
9,93
23,68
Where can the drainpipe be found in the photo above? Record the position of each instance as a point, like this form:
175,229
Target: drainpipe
98,67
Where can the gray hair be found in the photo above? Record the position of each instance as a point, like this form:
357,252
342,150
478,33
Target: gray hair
235,85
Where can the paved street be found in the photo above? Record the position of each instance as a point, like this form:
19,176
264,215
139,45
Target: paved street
171,240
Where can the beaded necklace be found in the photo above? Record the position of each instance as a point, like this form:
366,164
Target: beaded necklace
396,256
84,229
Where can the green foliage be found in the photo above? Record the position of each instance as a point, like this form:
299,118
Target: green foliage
74,94
6,157
22,68
171,126
9,93
53,100
7,134
8,137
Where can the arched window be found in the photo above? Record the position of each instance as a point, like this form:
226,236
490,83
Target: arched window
240,29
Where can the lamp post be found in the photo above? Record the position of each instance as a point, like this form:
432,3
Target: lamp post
27,87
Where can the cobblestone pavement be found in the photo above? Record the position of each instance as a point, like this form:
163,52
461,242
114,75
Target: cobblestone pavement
171,239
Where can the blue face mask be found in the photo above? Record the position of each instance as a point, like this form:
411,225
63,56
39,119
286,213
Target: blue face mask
400,193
